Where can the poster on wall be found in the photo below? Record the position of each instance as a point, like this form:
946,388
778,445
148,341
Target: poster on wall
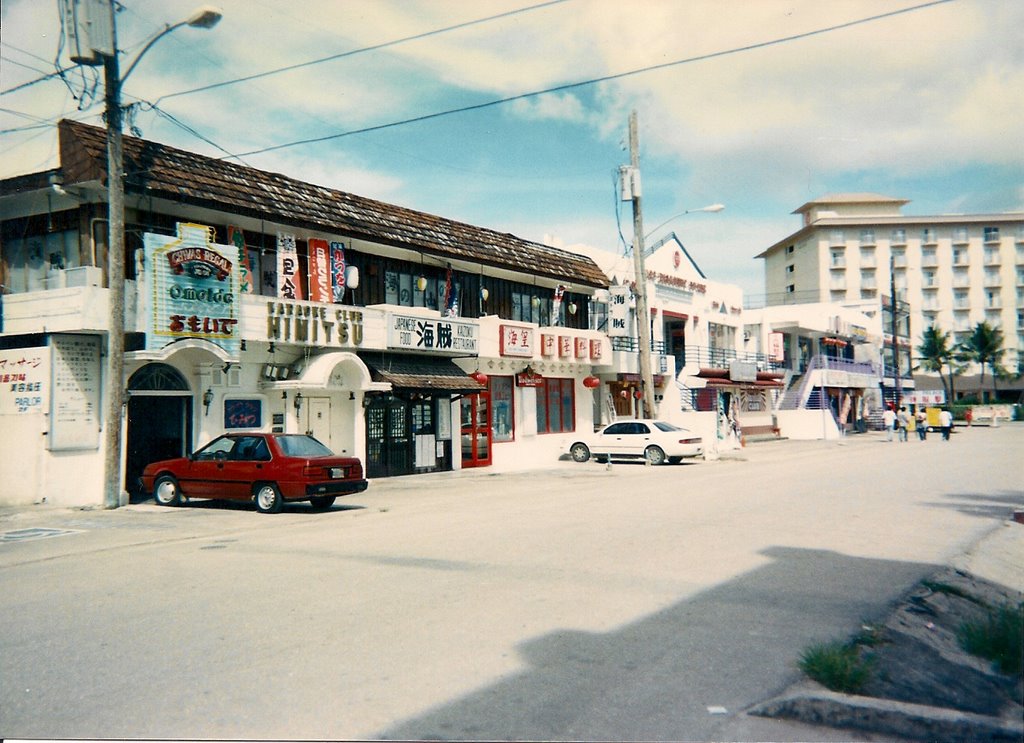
24,373
193,289
75,396
289,286
319,271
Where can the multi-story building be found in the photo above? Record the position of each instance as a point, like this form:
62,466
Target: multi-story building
948,271
257,301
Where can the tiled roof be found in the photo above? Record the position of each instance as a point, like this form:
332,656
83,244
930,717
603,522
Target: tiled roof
413,372
161,171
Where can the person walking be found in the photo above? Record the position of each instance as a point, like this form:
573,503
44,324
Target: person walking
946,420
911,424
889,421
903,421
922,424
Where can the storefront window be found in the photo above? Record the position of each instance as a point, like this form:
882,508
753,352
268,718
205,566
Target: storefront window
556,406
28,260
502,409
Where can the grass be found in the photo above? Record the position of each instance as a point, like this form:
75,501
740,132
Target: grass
837,666
998,638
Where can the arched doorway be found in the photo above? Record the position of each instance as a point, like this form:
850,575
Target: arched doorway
159,420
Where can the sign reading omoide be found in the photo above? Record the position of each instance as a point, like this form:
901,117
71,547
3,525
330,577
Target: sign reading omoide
193,288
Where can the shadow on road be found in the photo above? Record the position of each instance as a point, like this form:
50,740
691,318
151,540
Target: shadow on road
655,679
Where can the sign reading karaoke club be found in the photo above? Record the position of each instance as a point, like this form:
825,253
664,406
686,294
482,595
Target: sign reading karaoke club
194,288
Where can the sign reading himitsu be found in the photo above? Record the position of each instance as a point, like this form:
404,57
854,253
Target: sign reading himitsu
194,288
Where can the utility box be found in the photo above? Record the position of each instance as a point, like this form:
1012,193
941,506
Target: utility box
88,27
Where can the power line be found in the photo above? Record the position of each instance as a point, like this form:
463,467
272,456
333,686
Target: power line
353,52
596,80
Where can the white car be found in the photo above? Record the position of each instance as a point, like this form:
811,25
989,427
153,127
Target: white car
656,441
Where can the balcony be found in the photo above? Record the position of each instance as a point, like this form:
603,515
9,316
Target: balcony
993,280
992,258
837,286
929,260
961,282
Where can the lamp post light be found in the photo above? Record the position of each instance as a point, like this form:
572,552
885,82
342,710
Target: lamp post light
204,17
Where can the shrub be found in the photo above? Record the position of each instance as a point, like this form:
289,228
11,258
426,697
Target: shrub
997,638
837,666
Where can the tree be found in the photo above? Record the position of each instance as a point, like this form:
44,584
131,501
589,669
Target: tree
985,348
936,354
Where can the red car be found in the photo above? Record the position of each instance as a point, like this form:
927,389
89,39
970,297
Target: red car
268,468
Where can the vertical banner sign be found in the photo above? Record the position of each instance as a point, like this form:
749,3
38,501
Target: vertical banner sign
338,271
618,311
194,289
451,295
237,238
75,396
557,304
776,347
288,284
319,272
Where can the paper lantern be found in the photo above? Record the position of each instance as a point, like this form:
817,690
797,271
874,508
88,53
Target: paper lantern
479,376
591,382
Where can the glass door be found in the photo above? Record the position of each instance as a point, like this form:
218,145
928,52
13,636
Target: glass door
476,429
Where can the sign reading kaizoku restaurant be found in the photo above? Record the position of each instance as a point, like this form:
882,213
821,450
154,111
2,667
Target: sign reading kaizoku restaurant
193,288
434,334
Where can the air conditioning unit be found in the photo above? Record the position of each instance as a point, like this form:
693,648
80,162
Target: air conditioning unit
84,276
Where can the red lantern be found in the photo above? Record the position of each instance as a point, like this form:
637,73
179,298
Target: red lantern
591,382
637,394
623,394
479,376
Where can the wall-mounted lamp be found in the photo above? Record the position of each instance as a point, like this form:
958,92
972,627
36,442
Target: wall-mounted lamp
351,395
243,344
298,402
207,401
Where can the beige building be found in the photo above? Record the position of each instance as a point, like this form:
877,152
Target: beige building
951,271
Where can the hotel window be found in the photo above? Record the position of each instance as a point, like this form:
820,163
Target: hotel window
929,236
790,268
929,257
867,237
899,258
556,406
961,301
928,279
898,236
867,257
960,235
838,258
789,250
836,237
959,256
992,300
790,288
991,234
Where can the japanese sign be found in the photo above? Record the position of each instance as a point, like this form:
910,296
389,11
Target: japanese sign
517,340
288,284
75,398
338,271
309,324
245,278
23,375
319,272
193,288
618,311
439,335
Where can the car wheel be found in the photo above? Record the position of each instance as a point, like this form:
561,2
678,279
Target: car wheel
675,460
655,455
268,498
579,452
166,491
322,502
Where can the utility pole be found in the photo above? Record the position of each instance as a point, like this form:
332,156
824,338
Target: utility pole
113,490
643,316
894,306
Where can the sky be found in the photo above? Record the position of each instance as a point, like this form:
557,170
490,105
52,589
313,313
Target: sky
760,105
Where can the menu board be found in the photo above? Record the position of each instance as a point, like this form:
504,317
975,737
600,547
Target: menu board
75,398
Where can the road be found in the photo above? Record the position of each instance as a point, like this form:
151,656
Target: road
578,602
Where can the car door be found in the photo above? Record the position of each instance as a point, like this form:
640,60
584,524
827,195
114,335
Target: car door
613,439
640,438
243,467
206,469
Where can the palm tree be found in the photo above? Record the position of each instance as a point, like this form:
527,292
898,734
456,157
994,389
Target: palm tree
936,354
985,348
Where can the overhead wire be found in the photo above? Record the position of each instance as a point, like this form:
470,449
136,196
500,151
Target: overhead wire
597,80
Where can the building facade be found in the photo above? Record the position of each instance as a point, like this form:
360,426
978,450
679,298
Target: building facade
950,272
256,301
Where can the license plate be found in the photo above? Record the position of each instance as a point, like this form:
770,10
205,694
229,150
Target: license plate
338,473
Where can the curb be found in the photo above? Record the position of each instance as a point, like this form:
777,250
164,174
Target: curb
813,704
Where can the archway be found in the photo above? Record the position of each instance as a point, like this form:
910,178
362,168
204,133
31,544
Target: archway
159,420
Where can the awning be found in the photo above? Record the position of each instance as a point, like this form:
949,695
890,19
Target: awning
408,372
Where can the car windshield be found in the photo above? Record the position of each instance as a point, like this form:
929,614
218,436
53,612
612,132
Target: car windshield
663,426
298,445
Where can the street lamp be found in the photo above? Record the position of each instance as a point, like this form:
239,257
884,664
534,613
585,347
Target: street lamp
204,17
714,208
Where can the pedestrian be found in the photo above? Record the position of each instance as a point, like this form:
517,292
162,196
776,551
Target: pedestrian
911,425
946,420
969,416
889,421
902,421
922,424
